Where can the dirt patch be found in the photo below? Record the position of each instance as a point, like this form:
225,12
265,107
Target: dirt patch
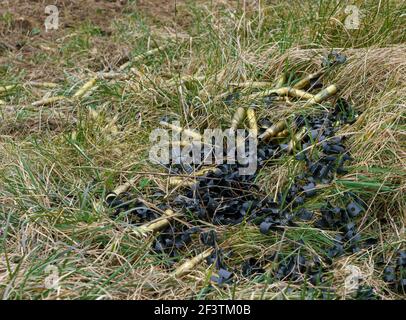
159,8
23,36
27,18
169,13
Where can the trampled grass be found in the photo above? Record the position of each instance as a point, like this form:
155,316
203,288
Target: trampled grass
59,161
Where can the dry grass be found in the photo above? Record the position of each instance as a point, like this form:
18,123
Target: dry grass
58,162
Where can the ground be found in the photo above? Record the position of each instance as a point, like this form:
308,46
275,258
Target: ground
58,161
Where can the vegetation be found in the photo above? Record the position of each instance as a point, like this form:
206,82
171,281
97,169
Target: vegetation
59,160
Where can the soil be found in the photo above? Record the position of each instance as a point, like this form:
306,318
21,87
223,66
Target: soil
28,15
23,34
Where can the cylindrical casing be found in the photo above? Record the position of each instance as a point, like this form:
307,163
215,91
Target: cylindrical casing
323,95
297,138
157,224
252,121
237,118
304,82
281,81
273,130
188,132
192,263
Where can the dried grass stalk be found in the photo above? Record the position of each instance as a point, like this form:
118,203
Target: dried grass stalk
184,79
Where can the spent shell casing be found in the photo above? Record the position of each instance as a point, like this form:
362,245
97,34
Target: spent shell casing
252,121
6,88
49,85
85,88
47,101
296,139
283,133
251,84
306,81
284,91
181,181
120,189
189,181
157,224
280,81
191,264
237,118
110,197
191,133
323,95
273,130
297,93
